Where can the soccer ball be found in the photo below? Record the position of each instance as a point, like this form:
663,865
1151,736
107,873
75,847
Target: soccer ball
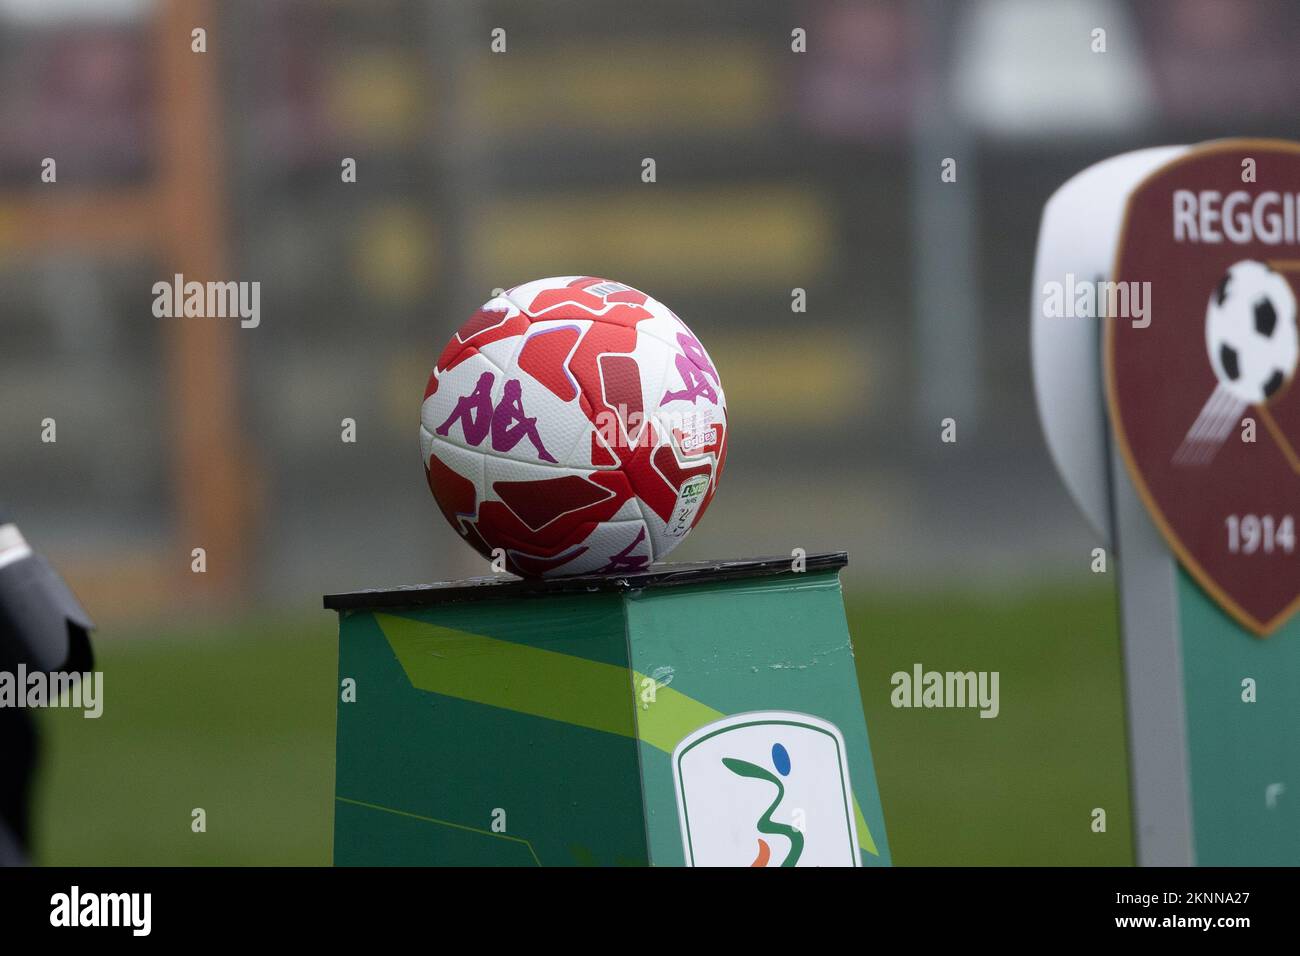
575,424
1250,331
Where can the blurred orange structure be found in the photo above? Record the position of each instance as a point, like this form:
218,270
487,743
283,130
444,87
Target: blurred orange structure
178,217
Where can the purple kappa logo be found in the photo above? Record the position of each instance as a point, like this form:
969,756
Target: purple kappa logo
695,369
506,423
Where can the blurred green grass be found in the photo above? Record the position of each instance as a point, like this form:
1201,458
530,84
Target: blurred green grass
235,719
238,719
1018,789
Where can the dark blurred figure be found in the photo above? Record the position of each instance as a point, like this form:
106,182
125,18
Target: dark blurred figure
42,628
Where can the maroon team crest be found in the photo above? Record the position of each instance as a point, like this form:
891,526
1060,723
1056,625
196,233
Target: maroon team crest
1200,387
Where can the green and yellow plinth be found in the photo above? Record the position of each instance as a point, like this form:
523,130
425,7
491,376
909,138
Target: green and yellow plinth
694,714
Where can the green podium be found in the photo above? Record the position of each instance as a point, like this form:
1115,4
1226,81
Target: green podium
693,714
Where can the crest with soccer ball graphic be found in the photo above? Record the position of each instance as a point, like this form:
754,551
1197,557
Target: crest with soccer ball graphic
1250,340
1201,397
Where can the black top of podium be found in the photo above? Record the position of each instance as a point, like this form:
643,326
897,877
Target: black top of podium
656,576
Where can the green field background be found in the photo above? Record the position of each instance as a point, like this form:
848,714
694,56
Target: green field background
239,720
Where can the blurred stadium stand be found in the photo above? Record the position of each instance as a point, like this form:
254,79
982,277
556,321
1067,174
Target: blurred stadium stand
775,170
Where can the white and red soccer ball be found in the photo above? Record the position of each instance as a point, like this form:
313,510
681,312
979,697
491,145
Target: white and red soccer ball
575,424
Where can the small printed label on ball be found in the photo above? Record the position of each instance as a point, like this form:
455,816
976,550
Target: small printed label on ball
688,503
695,441
696,433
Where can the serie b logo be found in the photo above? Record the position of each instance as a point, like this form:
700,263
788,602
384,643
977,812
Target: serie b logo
765,789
